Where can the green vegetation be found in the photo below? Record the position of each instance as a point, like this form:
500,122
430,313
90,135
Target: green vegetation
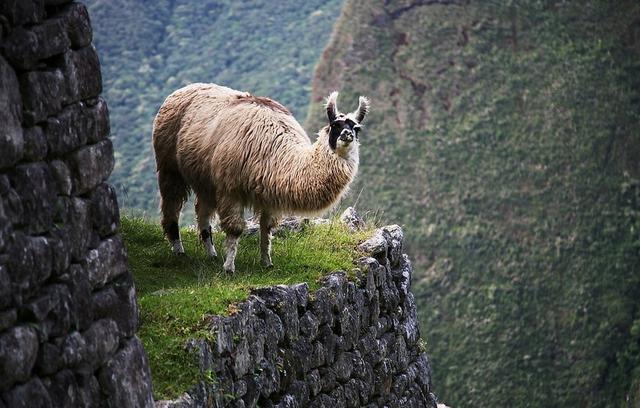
177,293
148,49
506,137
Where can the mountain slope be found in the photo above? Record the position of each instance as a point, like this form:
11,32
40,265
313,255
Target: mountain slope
150,48
505,138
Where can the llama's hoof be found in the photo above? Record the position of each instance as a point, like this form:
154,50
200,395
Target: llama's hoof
267,263
230,269
177,248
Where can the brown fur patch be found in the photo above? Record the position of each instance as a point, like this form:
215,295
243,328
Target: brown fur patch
262,101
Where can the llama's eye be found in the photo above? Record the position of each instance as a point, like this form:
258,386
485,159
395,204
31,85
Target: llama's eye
357,128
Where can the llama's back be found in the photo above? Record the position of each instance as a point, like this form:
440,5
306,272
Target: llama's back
228,140
177,108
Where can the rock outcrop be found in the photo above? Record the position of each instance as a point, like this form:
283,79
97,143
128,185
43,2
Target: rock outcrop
68,313
354,342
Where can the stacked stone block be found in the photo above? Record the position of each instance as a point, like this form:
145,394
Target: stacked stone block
68,312
352,343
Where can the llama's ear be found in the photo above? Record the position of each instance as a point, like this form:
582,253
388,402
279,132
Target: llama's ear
332,108
363,109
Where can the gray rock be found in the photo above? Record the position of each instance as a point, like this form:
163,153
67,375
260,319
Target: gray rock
78,282
301,291
102,340
72,213
106,262
395,240
105,215
328,340
302,351
62,177
383,377
348,326
322,306
43,93
32,394
91,165
343,366
402,275
352,220
328,378
268,378
60,251
18,353
6,289
130,362
361,391
337,284
30,264
370,269
35,144
283,301
68,130
88,391
49,359
376,246
338,396
241,358
315,382
77,24
118,302
82,70
11,140
309,326
34,184
300,392
63,389
20,12
25,47
8,318
74,350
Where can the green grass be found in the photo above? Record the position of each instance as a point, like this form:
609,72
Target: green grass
175,294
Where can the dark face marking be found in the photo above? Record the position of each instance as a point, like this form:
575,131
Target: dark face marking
338,126
205,235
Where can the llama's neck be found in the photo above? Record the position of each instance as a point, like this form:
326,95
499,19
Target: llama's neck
322,176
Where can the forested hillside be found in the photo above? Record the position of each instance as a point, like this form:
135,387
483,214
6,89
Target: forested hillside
505,136
150,48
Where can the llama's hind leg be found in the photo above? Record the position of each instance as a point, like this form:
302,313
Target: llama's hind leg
267,222
204,210
232,223
173,194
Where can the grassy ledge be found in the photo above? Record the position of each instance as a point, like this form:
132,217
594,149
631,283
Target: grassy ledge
176,293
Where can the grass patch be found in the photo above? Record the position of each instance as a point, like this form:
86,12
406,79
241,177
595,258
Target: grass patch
176,293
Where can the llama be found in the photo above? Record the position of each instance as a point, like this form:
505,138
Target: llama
237,151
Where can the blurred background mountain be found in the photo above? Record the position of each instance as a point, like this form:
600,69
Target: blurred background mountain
503,136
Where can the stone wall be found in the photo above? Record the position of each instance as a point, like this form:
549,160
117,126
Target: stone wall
352,343
68,313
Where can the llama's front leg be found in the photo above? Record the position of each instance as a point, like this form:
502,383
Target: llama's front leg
232,223
172,231
266,225
203,213
231,249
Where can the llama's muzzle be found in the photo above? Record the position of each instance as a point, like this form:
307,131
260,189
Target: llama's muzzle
346,136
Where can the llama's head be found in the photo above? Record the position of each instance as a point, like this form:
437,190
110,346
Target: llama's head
344,128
